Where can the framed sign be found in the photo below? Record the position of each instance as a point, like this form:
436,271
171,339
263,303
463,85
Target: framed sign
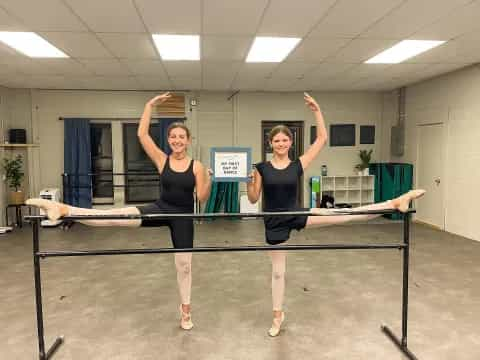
231,163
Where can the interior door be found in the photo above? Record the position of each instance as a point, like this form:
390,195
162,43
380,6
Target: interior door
430,209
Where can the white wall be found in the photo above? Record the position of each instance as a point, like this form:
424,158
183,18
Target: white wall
15,112
451,99
4,112
237,122
49,105
360,108
4,120
216,121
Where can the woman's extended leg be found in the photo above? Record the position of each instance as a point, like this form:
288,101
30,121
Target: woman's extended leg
400,203
56,210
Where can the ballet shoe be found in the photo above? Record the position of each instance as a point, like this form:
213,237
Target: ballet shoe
185,320
276,325
402,203
54,210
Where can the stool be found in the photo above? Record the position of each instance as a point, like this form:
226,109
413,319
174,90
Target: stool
18,213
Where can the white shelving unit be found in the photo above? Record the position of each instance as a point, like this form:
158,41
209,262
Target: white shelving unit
354,190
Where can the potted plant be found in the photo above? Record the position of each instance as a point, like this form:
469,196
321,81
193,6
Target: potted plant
365,157
14,176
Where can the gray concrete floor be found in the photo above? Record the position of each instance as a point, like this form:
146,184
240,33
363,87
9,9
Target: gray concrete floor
125,307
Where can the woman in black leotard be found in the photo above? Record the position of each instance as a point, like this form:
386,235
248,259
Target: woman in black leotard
279,180
179,176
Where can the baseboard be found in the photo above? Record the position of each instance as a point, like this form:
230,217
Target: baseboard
427,224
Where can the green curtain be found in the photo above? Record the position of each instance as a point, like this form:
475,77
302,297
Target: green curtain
223,198
391,180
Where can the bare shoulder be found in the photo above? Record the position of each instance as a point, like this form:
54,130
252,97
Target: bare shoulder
197,166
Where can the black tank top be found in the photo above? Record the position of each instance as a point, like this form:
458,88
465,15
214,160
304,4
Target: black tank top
280,187
176,188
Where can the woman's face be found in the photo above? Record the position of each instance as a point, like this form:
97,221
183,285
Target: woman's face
281,143
178,140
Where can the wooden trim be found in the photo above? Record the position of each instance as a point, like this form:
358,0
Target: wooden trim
174,106
18,145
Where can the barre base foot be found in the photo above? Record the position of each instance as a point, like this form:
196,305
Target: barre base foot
53,348
401,346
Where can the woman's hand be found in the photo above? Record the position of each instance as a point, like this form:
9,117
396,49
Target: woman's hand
310,102
160,99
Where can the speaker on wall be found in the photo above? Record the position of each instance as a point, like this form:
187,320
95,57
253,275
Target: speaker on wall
17,136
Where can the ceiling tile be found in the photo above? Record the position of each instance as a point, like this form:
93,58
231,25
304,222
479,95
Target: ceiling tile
360,50
438,69
111,83
145,67
213,69
256,70
216,83
7,70
171,17
10,23
293,70
225,47
129,46
183,69
44,15
317,49
7,51
292,18
405,69
462,20
411,16
108,15
28,66
219,75
68,67
78,45
103,67
362,71
278,84
186,83
232,17
328,70
249,84
350,18
154,83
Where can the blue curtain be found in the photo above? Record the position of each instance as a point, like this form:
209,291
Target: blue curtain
77,163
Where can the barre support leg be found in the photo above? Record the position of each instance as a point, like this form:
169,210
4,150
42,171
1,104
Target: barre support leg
38,300
402,344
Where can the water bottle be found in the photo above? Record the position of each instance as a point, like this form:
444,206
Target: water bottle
324,170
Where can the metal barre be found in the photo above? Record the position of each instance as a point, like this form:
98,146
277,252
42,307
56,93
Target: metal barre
218,215
401,343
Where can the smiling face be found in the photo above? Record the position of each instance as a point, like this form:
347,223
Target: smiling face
178,139
281,143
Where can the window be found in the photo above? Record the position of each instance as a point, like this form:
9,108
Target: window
142,181
101,163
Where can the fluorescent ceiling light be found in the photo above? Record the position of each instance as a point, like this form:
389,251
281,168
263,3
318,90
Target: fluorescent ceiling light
271,49
403,50
178,47
31,44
